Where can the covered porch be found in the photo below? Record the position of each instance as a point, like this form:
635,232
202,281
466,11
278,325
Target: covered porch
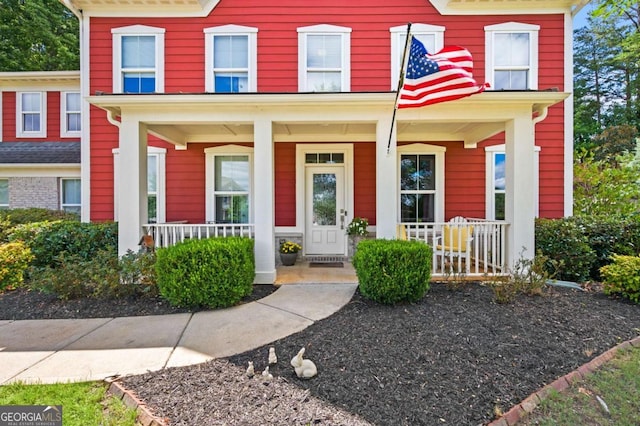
336,120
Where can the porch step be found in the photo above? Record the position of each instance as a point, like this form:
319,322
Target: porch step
325,259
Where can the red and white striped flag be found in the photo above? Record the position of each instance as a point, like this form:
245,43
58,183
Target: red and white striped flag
444,76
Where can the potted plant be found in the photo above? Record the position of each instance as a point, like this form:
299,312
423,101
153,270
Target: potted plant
356,230
289,252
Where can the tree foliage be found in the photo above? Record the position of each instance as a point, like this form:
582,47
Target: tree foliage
38,35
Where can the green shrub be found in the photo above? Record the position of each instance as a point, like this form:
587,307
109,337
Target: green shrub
622,277
392,271
564,243
30,215
27,232
14,260
73,238
214,272
137,271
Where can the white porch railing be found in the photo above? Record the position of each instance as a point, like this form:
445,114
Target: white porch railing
168,234
474,248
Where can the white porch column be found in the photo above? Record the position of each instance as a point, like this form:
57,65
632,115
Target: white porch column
386,185
132,185
263,188
520,192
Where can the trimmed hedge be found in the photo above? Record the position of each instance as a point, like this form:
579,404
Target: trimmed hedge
622,277
30,215
48,240
393,271
213,272
14,260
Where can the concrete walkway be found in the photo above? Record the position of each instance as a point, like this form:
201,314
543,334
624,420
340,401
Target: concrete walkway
48,351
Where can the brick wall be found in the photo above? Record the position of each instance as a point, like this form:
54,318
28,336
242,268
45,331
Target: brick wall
43,192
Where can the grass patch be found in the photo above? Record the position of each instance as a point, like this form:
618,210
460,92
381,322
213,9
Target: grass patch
83,403
617,384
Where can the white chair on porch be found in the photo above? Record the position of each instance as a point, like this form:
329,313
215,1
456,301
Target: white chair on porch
454,245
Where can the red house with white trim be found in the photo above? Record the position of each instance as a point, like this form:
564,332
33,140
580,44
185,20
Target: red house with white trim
275,120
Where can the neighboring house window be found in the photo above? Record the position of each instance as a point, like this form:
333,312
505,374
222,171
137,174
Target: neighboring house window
230,59
156,205
512,56
496,181
70,195
229,184
432,36
71,116
324,59
421,183
31,114
138,59
4,194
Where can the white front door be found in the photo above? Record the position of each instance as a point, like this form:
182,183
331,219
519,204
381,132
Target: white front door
325,210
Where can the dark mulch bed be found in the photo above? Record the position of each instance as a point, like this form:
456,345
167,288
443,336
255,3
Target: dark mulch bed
452,358
23,304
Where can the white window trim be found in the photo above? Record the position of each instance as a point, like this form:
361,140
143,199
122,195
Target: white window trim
210,154
64,131
425,149
507,28
490,202
345,33
61,194
398,37
137,30
161,203
20,132
251,33
2,205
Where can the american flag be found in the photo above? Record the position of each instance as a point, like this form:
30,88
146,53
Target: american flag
442,77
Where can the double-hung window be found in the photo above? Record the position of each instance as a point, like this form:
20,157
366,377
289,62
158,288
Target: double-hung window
229,184
70,194
324,59
421,183
431,36
4,194
138,59
31,114
71,120
230,59
512,56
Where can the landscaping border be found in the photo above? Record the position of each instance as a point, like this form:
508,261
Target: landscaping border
520,411
144,416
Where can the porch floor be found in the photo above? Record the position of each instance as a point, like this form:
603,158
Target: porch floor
303,273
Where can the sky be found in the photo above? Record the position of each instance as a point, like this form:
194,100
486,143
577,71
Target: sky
580,20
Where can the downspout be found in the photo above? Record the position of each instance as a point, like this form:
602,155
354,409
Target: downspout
111,118
541,115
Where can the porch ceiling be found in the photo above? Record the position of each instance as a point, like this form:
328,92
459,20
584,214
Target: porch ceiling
338,117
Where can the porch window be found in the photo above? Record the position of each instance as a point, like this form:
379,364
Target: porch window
71,114
229,183
31,114
512,56
432,36
231,59
152,188
499,180
324,63
4,194
417,188
70,195
138,59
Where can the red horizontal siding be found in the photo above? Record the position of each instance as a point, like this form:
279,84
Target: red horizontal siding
364,173
285,187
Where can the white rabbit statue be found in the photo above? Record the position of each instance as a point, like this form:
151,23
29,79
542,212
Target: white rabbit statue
305,368
273,359
250,370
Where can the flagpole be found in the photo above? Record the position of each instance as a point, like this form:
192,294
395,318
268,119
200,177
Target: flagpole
400,83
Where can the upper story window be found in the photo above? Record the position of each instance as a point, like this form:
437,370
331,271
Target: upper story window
231,59
324,59
512,56
71,114
431,36
138,59
31,114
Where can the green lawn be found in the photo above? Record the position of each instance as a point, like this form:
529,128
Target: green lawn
83,403
617,384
